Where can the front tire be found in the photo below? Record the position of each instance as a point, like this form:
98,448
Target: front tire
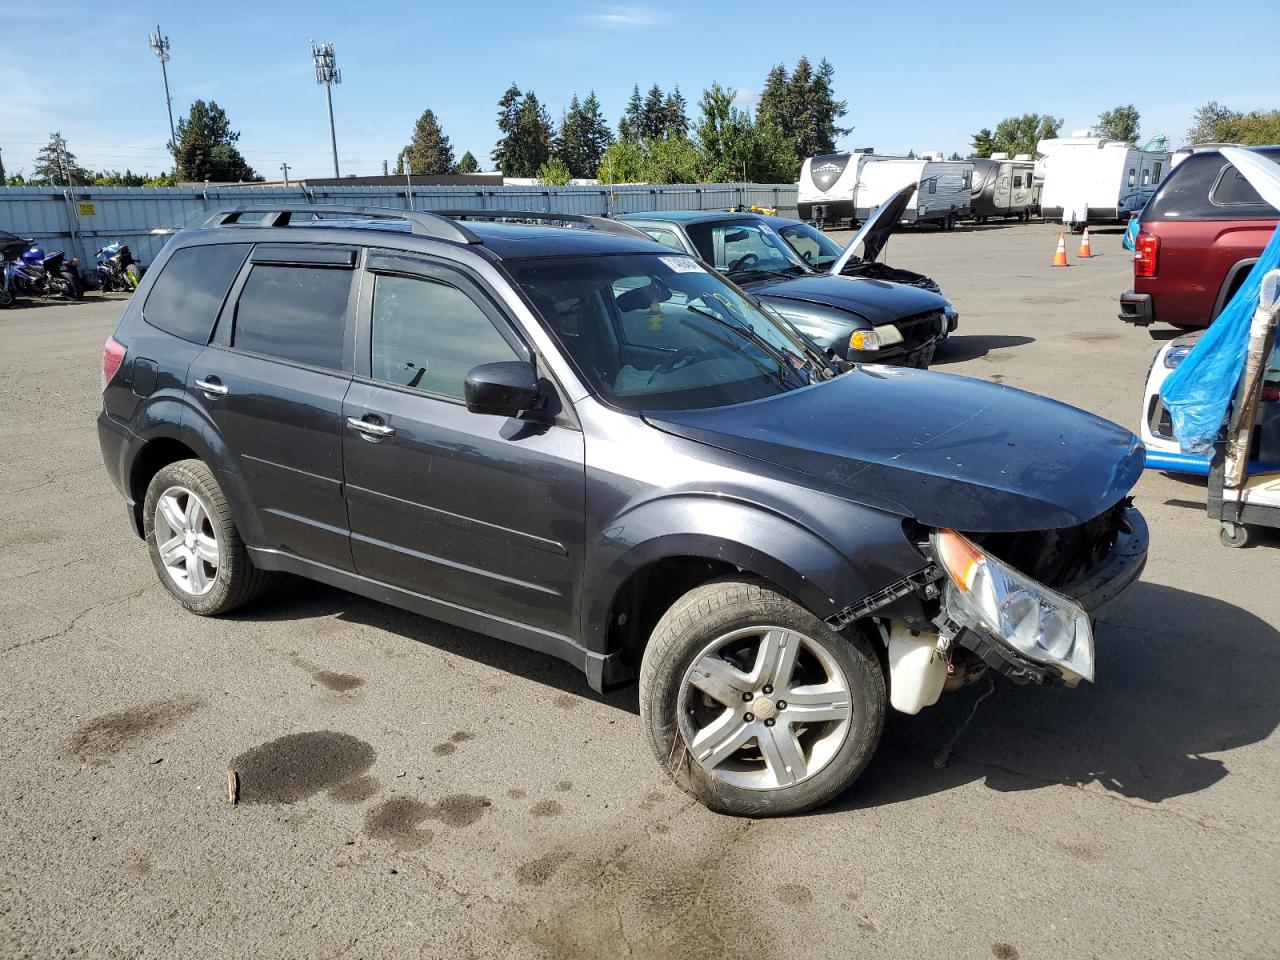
753,705
195,547
133,277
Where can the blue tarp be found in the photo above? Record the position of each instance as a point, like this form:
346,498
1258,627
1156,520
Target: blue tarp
1199,392
1130,241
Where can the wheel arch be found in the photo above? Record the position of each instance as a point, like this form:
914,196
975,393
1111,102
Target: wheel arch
719,538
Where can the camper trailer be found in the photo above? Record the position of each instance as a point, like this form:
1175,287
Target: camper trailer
1003,187
827,184
943,188
1095,180
841,188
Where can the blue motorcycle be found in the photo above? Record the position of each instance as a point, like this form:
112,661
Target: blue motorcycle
117,269
33,274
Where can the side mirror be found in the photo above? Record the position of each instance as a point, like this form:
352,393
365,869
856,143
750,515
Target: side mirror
503,389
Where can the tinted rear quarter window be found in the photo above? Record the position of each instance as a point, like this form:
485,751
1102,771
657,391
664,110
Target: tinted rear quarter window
294,313
192,285
1199,189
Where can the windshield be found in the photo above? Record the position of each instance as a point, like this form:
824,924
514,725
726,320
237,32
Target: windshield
813,246
652,331
745,250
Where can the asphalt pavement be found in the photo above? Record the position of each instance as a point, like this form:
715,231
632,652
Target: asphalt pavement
408,789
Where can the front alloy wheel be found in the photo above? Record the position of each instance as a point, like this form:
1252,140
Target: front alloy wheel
764,707
756,707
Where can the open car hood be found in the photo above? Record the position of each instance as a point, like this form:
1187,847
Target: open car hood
874,233
949,451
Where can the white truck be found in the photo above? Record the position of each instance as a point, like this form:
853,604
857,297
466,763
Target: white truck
1095,180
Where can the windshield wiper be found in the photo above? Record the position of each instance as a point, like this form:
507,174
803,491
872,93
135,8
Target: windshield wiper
746,330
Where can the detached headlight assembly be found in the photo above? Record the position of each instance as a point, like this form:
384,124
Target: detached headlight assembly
1034,620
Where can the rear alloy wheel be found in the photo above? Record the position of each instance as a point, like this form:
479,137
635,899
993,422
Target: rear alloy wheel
755,706
195,547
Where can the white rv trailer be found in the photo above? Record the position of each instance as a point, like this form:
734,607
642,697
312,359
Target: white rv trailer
1003,187
943,188
827,183
1095,180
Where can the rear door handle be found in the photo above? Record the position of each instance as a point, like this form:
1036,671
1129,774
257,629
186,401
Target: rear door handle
372,430
213,387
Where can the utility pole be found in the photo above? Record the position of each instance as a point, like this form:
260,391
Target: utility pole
384,168
284,170
327,74
160,46
408,181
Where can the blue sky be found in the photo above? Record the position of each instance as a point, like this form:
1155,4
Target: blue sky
913,73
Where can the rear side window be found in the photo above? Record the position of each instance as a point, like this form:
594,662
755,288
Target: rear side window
1232,188
294,312
188,294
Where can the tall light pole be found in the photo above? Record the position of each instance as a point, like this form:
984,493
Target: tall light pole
160,46
327,74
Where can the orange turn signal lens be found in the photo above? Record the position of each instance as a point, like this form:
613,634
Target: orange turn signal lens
960,558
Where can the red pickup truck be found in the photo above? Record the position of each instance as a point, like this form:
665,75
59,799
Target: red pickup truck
1200,233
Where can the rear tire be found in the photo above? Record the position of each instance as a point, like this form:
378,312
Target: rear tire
761,755
6,298
134,276
195,546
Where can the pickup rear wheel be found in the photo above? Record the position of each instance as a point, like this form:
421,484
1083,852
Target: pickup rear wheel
753,705
195,547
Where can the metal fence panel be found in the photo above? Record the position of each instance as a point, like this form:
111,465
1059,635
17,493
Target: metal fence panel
83,219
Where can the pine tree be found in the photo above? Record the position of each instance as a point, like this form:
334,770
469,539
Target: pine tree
802,106
429,152
55,165
468,163
527,134
595,135
207,147
983,143
653,115
629,127
826,110
774,99
508,111
675,119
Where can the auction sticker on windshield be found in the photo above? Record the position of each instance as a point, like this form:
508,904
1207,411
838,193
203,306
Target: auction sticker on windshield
682,264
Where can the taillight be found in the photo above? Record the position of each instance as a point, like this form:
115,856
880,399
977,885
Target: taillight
1146,253
112,356
1270,392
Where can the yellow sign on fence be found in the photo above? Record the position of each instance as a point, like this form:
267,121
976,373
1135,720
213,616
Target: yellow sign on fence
87,209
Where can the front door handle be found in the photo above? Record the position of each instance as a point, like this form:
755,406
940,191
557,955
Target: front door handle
372,430
212,387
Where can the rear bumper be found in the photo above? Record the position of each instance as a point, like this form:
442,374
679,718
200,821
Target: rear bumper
1111,577
1137,308
825,210
117,443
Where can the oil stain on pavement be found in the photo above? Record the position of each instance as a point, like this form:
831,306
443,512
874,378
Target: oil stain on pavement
111,733
397,820
300,765
329,679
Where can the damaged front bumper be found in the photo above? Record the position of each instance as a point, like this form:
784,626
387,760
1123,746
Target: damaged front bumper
1101,584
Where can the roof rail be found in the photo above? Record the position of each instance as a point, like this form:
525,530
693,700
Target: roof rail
280,215
602,224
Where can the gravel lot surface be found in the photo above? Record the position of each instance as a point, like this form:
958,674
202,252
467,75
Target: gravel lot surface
457,797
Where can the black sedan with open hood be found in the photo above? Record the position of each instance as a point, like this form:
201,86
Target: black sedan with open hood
858,318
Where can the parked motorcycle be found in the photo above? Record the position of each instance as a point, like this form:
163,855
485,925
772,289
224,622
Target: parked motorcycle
11,249
33,274
117,269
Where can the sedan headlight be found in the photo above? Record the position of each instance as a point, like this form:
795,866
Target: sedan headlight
1177,353
1034,620
864,340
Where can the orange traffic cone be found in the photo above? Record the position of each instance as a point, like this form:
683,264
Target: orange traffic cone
1085,250
1060,255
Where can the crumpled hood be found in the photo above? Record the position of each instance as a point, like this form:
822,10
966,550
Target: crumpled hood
951,451
880,302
